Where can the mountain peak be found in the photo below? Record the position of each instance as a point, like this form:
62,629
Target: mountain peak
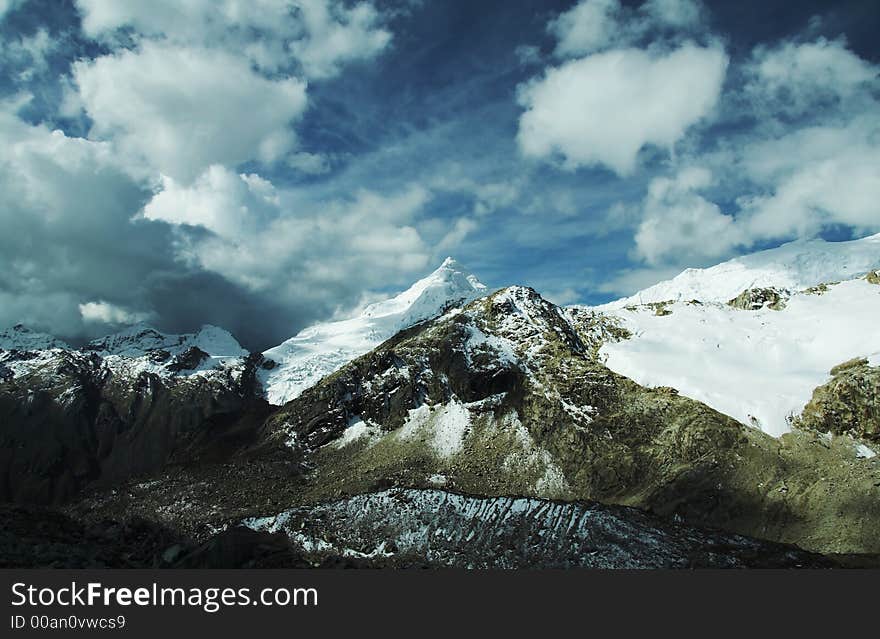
449,284
139,339
321,349
22,338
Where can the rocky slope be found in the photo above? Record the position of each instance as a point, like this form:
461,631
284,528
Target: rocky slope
121,406
508,396
444,529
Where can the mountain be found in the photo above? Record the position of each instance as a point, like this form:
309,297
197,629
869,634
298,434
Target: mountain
122,405
321,349
140,339
21,338
756,354
792,267
141,348
449,429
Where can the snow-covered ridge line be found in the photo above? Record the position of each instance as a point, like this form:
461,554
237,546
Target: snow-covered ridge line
139,339
319,350
794,266
136,349
21,338
758,366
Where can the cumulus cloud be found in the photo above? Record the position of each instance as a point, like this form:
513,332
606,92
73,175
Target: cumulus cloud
682,226
182,109
587,27
320,35
680,14
594,25
219,200
107,313
336,35
812,162
813,178
603,109
795,78
823,170
266,241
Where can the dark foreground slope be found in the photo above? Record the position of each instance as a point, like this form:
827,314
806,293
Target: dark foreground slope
398,528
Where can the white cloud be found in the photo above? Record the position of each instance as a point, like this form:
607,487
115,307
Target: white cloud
28,53
593,25
674,13
462,227
795,78
182,109
789,180
266,240
603,109
321,35
680,225
309,163
107,313
219,200
587,27
337,35
8,5
813,178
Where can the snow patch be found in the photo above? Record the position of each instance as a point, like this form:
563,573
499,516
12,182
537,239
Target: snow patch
357,429
863,452
445,426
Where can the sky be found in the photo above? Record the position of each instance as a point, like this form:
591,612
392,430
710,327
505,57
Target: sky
263,165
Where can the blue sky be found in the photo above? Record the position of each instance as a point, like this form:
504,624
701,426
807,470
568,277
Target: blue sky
264,165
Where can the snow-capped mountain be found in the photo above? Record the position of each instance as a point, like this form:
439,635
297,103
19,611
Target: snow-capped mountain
21,338
135,349
140,339
322,349
792,267
759,365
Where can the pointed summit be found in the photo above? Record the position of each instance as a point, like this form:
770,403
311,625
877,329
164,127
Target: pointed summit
449,284
319,350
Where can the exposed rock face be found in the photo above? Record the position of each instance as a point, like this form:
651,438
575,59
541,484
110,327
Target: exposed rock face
188,360
848,404
753,299
873,277
70,418
444,529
